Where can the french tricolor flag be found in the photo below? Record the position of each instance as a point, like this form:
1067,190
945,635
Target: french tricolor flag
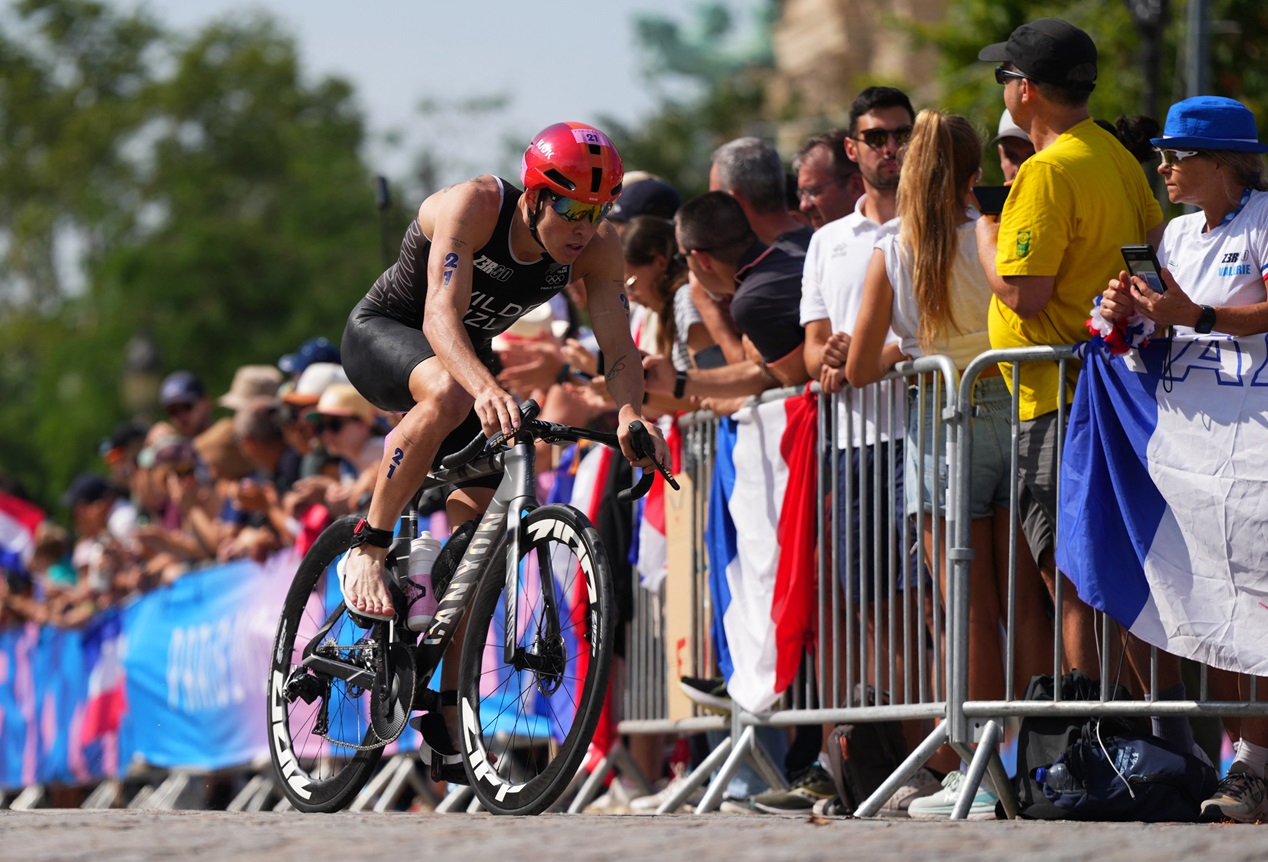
1163,520
18,522
761,537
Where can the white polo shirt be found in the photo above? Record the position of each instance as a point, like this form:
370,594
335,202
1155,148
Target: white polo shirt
832,290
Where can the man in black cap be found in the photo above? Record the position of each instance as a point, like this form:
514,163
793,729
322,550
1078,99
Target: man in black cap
1073,205
186,403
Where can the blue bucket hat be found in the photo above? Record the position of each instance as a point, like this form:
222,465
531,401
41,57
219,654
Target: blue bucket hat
1210,123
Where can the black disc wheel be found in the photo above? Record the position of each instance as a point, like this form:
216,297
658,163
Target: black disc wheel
337,692
527,718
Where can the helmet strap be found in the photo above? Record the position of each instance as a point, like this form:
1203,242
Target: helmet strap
533,215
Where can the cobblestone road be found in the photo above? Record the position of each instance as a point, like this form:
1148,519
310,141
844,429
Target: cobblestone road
213,836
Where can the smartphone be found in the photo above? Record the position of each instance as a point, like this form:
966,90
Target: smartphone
990,199
1143,263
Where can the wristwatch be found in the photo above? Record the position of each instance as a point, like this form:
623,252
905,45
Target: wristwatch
680,383
364,534
1206,320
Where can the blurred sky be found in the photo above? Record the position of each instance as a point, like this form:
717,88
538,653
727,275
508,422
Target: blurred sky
552,60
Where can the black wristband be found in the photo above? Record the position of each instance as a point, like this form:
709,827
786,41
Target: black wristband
565,374
1206,320
364,534
680,383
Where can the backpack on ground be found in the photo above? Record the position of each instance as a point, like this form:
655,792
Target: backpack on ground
861,757
1042,739
1136,778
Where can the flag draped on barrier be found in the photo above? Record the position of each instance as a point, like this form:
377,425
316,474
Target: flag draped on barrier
18,520
760,613
1163,523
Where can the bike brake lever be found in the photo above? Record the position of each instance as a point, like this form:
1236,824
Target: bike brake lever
643,447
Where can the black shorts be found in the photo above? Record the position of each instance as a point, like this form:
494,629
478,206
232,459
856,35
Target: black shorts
379,355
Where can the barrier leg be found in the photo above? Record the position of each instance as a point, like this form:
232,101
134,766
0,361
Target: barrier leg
375,785
745,748
30,798
456,800
103,795
987,748
590,788
905,771
717,759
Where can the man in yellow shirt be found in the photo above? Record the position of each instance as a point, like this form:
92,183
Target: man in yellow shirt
1073,205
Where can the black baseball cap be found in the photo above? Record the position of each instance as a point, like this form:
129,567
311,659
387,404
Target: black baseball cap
651,196
86,488
181,387
1050,51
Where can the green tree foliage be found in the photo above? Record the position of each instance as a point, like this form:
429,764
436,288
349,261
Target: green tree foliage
677,143
192,187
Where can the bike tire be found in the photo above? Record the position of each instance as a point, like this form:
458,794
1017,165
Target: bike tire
525,732
314,774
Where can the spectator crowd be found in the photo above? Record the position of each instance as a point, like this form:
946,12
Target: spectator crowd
871,249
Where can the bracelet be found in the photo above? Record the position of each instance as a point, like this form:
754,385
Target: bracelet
680,383
364,534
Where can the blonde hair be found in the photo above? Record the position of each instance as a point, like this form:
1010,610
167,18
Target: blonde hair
1247,171
943,155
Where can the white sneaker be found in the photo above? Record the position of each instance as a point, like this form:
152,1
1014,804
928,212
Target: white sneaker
920,785
650,804
615,801
1239,797
941,805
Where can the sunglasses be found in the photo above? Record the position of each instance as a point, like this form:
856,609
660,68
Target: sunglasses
876,138
813,192
1175,157
574,211
333,424
1002,75
179,409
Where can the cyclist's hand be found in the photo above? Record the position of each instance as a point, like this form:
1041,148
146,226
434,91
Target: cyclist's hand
627,445
498,411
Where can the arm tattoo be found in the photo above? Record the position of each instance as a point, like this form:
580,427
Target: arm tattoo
616,369
451,266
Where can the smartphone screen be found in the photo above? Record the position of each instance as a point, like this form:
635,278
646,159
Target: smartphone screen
1143,263
990,199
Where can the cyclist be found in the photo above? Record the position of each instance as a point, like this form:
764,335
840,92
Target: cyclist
480,255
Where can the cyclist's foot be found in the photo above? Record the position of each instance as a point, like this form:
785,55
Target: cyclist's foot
361,582
436,748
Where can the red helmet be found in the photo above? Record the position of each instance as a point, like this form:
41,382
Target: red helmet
574,160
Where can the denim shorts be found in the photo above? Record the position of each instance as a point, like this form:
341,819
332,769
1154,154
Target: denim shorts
990,479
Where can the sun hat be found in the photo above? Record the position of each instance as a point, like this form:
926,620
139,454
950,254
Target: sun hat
1050,51
314,381
650,196
343,399
251,381
1210,123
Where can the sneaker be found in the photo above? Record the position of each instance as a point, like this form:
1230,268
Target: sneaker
940,805
615,801
832,807
735,805
708,692
1240,798
650,804
808,788
920,785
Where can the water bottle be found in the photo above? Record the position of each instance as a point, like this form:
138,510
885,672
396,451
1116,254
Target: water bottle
1058,779
422,606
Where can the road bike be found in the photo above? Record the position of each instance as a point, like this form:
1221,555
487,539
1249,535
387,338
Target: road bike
536,587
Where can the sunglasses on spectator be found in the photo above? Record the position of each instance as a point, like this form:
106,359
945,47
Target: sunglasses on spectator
179,409
183,471
813,192
876,138
1002,75
1175,157
333,424
571,210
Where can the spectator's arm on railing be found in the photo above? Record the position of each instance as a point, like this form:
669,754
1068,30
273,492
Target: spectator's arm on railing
870,358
